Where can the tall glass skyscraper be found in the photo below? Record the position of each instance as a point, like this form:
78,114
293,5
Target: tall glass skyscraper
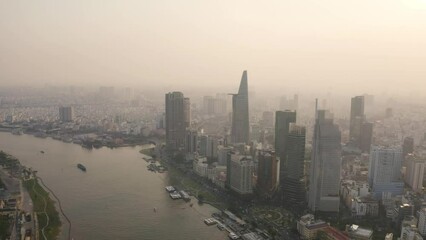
357,118
240,132
178,118
282,126
294,189
324,176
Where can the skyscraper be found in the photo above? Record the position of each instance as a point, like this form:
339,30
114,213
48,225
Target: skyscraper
294,189
66,114
267,171
407,146
357,118
366,137
177,119
191,143
282,125
384,173
324,181
240,132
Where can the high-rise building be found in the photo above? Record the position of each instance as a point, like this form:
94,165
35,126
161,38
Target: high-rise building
384,173
211,149
215,106
282,126
191,143
209,105
240,132
66,114
414,172
267,172
240,173
407,146
294,189
222,154
202,147
177,120
357,118
422,222
366,137
325,170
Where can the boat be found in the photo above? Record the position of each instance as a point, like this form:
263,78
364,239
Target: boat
81,167
175,195
155,209
221,226
210,221
42,152
185,195
170,189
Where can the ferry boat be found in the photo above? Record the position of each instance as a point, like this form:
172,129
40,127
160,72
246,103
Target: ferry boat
185,195
210,221
175,195
81,167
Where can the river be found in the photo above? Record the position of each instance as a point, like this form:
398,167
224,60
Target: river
115,198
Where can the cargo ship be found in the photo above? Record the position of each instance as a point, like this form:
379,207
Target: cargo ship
81,167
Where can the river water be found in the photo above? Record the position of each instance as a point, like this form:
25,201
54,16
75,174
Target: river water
115,198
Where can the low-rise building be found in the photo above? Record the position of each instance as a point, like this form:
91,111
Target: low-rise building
308,227
200,166
358,233
365,206
410,232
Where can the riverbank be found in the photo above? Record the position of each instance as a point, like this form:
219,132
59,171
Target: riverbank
183,180
44,207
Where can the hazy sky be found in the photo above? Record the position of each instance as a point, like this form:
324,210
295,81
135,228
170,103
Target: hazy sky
332,44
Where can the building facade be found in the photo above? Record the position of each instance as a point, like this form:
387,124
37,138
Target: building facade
241,174
240,132
294,188
282,128
66,114
178,119
325,170
267,172
384,175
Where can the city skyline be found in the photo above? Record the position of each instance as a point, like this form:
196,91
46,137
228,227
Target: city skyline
138,120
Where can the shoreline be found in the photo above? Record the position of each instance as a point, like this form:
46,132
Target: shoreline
87,144
180,179
45,210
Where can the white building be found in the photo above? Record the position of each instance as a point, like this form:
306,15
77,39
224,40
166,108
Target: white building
414,173
200,166
242,174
